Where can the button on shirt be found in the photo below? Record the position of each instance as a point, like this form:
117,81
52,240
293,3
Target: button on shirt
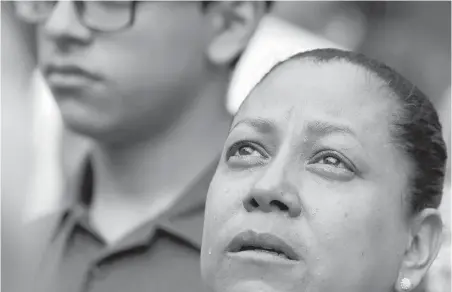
160,255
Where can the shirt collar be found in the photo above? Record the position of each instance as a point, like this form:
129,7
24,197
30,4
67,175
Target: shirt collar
184,220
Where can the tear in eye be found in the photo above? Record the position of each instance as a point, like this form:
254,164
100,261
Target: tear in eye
247,151
332,161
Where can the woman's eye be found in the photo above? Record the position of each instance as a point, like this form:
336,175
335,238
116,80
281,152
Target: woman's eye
246,153
333,160
333,166
330,160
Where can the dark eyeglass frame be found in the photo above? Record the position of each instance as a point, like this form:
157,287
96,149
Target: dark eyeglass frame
79,7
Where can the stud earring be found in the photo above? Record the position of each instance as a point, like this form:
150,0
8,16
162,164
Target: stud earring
405,284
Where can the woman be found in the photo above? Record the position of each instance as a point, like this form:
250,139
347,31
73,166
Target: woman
329,180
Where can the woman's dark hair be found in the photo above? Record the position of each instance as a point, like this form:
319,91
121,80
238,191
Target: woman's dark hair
416,129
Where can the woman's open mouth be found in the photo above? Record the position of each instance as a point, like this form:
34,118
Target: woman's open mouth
261,245
264,250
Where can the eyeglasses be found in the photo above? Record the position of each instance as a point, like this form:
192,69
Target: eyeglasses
105,16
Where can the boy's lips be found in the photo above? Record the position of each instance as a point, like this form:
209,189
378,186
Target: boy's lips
69,75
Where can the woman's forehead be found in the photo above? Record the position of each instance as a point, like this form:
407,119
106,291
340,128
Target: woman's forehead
335,94
336,88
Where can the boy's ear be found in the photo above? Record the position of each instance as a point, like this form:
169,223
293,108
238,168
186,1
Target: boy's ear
233,23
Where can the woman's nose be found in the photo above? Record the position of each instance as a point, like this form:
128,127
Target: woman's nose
273,192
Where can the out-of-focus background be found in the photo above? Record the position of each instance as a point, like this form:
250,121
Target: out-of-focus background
38,155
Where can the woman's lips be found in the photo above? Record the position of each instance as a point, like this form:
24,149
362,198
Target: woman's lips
265,245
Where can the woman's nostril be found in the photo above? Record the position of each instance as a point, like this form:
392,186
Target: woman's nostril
254,203
280,205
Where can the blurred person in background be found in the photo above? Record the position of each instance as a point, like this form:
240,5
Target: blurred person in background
145,82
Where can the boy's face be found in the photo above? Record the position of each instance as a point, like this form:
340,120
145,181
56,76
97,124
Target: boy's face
139,78
308,194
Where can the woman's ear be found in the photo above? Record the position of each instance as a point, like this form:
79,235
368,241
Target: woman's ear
233,23
422,248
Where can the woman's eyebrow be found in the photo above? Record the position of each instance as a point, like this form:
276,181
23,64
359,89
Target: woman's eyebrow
323,128
262,125
315,127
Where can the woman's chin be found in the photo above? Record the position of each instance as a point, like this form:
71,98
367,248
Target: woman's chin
265,280
255,285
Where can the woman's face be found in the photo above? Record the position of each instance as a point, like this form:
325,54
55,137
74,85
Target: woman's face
310,193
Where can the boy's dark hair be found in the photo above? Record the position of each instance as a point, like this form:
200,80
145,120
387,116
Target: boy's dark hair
416,129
